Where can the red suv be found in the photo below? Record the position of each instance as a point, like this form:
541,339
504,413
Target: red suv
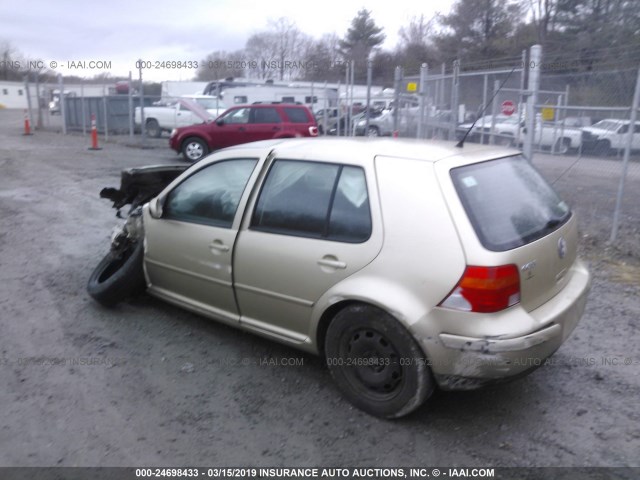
242,124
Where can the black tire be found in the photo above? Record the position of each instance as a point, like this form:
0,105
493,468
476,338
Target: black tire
117,277
505,140
153,128
562,146
602,148
194,148
398,381
373,131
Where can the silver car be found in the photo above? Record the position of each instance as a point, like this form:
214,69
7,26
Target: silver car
407,265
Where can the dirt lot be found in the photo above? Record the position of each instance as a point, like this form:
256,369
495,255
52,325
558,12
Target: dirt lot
148,384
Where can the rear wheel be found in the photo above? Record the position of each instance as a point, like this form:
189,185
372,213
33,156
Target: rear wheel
373,131
193,149
376,362
562,146
153,128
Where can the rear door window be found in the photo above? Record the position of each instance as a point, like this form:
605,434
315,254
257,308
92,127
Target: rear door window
311,199
508,202
265,115
297,115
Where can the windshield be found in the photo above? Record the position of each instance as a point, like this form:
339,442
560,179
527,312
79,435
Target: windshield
607,125
508,202
209,103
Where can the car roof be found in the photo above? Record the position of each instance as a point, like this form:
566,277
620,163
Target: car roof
269,104
332,148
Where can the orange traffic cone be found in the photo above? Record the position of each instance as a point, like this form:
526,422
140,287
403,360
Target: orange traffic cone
94,134
27,123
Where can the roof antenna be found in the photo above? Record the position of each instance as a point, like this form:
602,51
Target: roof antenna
460,144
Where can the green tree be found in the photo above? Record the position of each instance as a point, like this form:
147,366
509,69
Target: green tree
479,30
361,38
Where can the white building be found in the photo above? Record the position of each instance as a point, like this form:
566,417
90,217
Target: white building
12,95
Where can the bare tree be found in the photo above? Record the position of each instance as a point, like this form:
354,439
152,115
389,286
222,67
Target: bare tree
543,17
222,64
418,32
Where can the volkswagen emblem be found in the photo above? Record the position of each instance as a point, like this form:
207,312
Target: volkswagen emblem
562,247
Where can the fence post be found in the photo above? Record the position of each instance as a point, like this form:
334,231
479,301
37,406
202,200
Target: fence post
39,121
424,70
142,126
494,112
442,73
105,105
454,99
352,81
28,94
625,158
63,113
397,80
367,114
535,58
84,118
131,110
347,113
521,97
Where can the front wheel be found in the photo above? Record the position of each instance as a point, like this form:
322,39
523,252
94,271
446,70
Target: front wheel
602,148
119,275
193,149
562,146
376,362
505,140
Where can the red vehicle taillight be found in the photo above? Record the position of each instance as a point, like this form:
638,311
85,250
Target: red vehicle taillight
313,131
485,289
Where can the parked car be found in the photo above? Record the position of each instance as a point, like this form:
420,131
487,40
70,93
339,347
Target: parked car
505,129
557,137
381,122
609,135
178,112
408,265
243,124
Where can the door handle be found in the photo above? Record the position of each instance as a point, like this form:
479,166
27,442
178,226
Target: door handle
217,246
241,129
275,129
332,262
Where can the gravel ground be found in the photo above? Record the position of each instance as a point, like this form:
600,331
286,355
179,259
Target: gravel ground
148,384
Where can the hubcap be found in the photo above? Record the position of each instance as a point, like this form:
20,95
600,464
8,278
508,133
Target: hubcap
374,360
194,151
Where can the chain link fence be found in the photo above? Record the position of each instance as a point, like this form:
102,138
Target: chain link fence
579,128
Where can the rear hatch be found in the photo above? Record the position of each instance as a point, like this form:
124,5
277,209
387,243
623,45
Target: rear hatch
506,213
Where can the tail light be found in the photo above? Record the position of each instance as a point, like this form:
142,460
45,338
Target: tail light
313,131
485,289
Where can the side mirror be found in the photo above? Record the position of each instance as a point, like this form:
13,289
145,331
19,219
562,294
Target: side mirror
155,207
220,122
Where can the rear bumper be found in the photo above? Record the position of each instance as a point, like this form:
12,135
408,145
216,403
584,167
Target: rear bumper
463,362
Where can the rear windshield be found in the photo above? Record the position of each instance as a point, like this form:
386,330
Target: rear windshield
297,115
508,202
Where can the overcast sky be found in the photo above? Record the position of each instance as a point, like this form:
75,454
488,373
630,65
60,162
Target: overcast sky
123,31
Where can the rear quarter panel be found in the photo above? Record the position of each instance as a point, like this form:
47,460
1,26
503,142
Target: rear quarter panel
421,258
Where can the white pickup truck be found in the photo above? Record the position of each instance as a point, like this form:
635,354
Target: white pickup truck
557,137
179,112
609,135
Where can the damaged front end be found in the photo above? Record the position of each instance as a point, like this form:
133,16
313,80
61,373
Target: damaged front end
140,184
120,273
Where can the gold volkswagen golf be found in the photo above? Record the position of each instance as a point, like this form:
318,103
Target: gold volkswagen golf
408,265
